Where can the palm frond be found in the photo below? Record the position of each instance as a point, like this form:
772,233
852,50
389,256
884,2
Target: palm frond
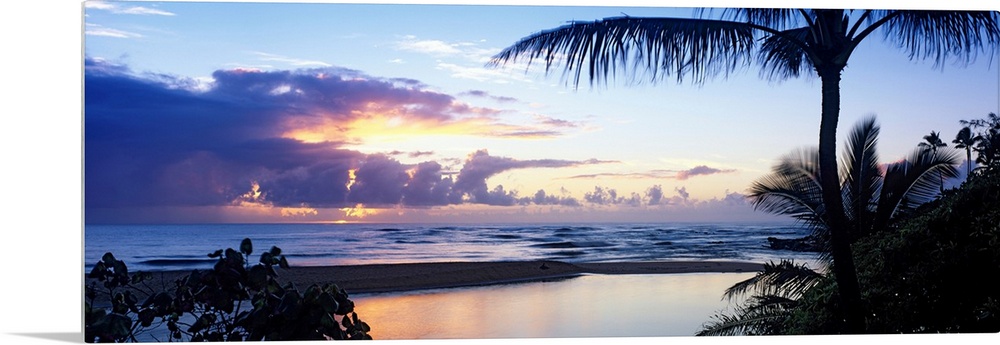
777,18
792,189
661,47
759,315
785,278
780,57
943,35
914,181
862,176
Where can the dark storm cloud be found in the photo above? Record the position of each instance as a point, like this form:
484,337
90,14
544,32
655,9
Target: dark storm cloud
158,140
379,180
428,187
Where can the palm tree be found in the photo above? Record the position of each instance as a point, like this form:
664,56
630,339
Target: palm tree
965,140
785,43
873,198
988,146
931,144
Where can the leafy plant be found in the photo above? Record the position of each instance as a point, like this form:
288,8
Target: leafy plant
234,301
986,142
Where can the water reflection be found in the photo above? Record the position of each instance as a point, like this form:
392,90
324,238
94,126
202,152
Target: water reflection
586,306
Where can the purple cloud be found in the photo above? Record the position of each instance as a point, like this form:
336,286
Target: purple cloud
701,170
484,94
480,166
163,141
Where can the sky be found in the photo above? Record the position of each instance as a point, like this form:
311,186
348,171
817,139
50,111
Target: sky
304,112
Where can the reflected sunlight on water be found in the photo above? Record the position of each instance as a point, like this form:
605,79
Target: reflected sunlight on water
585,306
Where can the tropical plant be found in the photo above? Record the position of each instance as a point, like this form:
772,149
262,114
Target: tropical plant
927,275
771,295
988,146
966,141
931,144
786,43
209,305
873,198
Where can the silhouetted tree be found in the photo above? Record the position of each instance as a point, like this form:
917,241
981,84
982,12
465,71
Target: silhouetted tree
872,199
931,144
786,43
966,141
988,147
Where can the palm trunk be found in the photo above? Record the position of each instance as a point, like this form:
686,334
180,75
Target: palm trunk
840,237
968,162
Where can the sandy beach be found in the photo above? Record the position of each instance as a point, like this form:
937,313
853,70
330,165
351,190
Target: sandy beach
418,276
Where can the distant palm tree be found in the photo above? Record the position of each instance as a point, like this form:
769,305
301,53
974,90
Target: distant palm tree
965,140
873,195
931,144
785,42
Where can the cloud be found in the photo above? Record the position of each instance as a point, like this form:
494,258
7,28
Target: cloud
654,174
434,47
554,122
609,196
98,30
412,154
378,180
479,166
658,174
543,198
243,140
682,191
158,141
290,61
427,187
654,194
484,94
117,9
470,51
701,170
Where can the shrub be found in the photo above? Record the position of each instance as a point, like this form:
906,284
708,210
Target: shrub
208,305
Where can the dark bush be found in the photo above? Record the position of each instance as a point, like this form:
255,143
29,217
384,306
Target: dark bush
234,301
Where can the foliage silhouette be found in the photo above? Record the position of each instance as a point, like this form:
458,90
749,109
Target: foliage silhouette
873,201
872,198
988,144
785,43
966,141
773,294
209,305
927,276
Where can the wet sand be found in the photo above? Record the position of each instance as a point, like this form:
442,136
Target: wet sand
419,276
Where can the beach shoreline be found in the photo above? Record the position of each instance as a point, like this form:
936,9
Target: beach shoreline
406,277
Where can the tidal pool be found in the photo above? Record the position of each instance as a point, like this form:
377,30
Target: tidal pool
585,306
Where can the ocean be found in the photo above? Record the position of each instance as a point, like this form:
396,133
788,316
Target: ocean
176,247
